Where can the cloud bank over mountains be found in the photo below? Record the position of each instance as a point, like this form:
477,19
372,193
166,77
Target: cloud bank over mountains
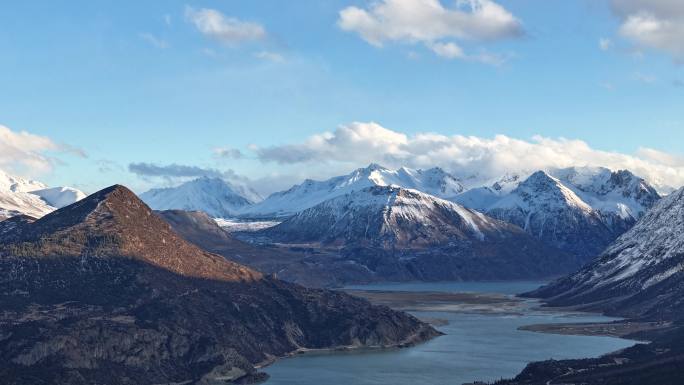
356,145
361,143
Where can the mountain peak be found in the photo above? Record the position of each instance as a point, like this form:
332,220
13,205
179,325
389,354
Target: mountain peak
541,188
374,167
540,178
215,196
388,215
310,193
114,223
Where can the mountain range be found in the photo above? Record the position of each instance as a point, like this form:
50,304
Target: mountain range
376,221
558,207
108,271
397,234
28,197
580,210
104,291
434,181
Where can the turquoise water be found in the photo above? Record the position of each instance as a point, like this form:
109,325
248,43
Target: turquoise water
476,347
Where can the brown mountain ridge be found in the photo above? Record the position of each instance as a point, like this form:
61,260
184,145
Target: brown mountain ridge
104,291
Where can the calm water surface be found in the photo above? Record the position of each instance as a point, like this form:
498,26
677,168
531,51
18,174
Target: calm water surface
475,347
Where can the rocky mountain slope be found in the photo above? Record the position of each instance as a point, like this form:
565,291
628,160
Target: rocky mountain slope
579,210
214,196
658,363
400,234
640,275
22,196
303,266
434,181
145,306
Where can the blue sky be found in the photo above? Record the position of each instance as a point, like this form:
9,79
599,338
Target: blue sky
131,82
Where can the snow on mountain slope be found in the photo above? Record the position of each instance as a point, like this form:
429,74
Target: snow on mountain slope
17,184
620,193
641,273
553,213
481,197
397,234
17,203
386,214
214,196
59,197
23,196
578,209
434,181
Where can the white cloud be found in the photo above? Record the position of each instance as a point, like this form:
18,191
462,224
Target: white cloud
447,50
28,154
653,24
270,56
430,23
228,153
452,51
155,41
605,44
358,144
228,30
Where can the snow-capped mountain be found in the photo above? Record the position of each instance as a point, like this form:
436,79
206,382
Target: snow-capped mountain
17,184
641,273
434,181
388,216
481,197
29,197
214,196
401,234
579,210
59,197
620,197
550,211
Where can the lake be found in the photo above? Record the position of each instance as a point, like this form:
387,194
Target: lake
483,347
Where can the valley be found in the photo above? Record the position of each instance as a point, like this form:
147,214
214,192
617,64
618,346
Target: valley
342,192
416,277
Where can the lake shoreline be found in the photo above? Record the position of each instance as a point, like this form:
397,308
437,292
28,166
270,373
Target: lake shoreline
476,319
504,304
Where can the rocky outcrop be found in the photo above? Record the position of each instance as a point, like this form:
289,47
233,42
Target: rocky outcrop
104,291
